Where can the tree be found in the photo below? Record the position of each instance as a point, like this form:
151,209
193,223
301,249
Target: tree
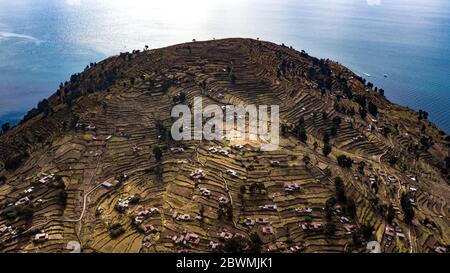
330,229
337,121
326,149
356,239
201,211
116,230
381,91
157,153
351,208
326,137
229,211
367,231
301,122
390,214
407,208
340,189
62,198
308,219
363,113
361,167
344,161
233,79
315,145
329,204
5,127
13,162
43,107
333,131
255,243
236,244
242,189
301,133
373,109
284,130
306,159
361,100
423,114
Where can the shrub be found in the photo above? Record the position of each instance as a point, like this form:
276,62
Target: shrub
373,109
340,189
5,127
255,243
134,199
407,208
330,229
116,230
236,244
326,150
157,153
390,214
351,208
344,161
308,219
15,161
62,198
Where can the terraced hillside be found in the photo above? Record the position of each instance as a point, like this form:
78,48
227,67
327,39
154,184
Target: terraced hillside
93,168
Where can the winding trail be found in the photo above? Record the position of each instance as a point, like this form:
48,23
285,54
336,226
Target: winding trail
61,219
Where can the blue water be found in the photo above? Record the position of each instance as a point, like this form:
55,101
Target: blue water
43,42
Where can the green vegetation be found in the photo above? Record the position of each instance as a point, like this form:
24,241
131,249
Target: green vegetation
157,153
326,150
5,127
344,161
116,230
340,189
407,208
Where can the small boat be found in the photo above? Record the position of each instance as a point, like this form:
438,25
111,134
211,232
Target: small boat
368,75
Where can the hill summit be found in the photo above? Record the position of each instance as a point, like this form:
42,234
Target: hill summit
93,168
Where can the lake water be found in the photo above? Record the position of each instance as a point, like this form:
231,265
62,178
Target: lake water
43,42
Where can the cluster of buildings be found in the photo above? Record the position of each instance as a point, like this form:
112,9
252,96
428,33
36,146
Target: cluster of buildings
190,237
303,210
205,192
181,216
197,174
268,230
358,137
231,172
7,230
391,232
269,207
313,226
291,188
259,220
123,204
276,247
45,178
218,150
224,200
177,150
40,237
144,214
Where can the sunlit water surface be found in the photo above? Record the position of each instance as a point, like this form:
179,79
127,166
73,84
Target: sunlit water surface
43,42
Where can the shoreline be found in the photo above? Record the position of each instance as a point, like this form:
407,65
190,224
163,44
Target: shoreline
14,117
